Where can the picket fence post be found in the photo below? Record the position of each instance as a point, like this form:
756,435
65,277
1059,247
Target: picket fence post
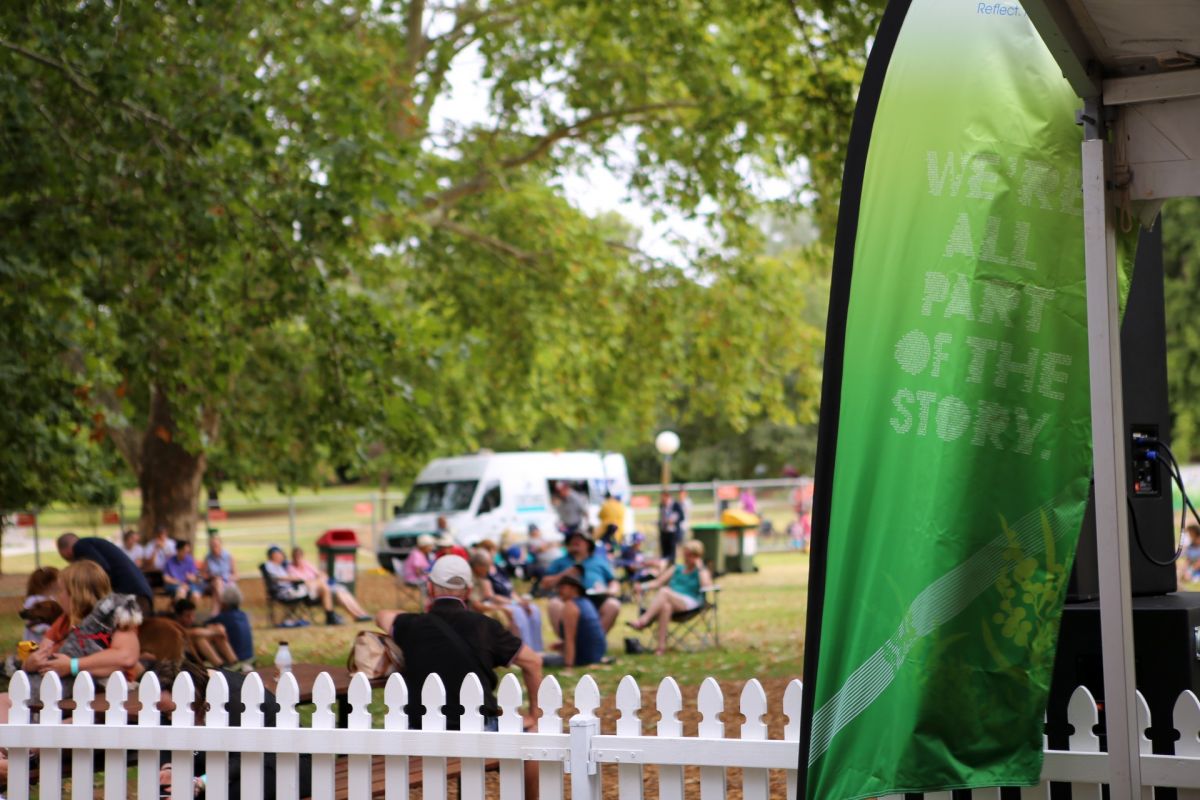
470,696
323,718
253,697
1083,717
669,702
287,765
83,694
550,774
584,726
710,702
756,783
149,694
183,694
19,692
216,762
792,700
116,693
359,766
512,773
1186,719
433,697
395,768
629,702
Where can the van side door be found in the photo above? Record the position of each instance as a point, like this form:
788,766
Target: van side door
490,516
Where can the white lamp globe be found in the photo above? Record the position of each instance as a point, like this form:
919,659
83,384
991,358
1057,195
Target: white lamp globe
667,443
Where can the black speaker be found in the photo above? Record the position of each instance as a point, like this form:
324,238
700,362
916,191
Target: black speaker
1166,661
1152,532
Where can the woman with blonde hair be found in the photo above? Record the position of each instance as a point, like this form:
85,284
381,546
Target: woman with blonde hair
680,588
97,632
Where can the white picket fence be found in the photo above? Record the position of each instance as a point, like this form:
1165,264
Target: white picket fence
574,756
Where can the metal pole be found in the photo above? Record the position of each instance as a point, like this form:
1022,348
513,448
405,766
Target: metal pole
37,549
1109,455
291,522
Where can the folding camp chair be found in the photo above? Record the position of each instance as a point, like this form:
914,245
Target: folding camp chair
292,610
690,631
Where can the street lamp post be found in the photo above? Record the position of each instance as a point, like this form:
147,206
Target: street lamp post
666,443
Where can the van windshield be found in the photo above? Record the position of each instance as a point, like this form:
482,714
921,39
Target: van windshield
427,498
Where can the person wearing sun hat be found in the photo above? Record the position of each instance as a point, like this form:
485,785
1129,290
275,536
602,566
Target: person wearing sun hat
596,573
445,544
582,640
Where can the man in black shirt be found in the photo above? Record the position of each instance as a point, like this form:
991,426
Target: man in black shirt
452,641
125,576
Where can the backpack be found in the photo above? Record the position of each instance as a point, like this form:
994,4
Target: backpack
375,654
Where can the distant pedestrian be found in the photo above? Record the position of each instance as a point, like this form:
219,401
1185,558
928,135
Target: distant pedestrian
572,508
612,522
670,526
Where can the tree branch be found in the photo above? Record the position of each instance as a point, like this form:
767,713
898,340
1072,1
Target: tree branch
76,80
542,145
488,241
415,43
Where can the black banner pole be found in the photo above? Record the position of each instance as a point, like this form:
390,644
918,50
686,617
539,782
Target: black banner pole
835,345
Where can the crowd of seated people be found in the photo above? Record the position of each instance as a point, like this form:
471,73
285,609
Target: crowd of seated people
96,614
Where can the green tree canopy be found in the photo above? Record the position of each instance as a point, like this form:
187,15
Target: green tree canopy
248,235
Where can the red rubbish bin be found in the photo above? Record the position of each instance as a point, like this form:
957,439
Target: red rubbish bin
338,549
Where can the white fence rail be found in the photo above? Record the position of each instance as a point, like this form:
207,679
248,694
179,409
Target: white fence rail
574,756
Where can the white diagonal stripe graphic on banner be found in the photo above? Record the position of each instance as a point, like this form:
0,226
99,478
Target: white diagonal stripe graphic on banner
941,601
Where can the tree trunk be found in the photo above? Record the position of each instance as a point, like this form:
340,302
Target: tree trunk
170,477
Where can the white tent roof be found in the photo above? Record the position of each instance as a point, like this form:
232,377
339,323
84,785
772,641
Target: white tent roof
1143,58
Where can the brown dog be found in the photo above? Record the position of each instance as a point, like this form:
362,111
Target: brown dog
43,612
162,639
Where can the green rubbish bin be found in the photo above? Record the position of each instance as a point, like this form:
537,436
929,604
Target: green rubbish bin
709,534
740,546
339,551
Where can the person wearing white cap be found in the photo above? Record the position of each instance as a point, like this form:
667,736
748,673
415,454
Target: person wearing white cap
452,641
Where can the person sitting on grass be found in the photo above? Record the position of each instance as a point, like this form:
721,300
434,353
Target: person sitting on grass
132,547
638,568
236,624
680,588
493,592
289,588
593,569
582,639
220,568
181,576
447,545
416,565
208,641
156,552
303,569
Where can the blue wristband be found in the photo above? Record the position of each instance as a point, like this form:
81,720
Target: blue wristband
74,666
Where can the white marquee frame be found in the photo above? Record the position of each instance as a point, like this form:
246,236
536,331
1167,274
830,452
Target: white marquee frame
1136,66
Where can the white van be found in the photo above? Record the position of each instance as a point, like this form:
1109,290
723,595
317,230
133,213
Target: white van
485,494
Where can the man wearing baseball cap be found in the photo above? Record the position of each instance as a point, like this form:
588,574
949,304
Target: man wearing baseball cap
452,641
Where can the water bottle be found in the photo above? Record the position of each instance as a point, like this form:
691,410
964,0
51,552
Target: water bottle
283,659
